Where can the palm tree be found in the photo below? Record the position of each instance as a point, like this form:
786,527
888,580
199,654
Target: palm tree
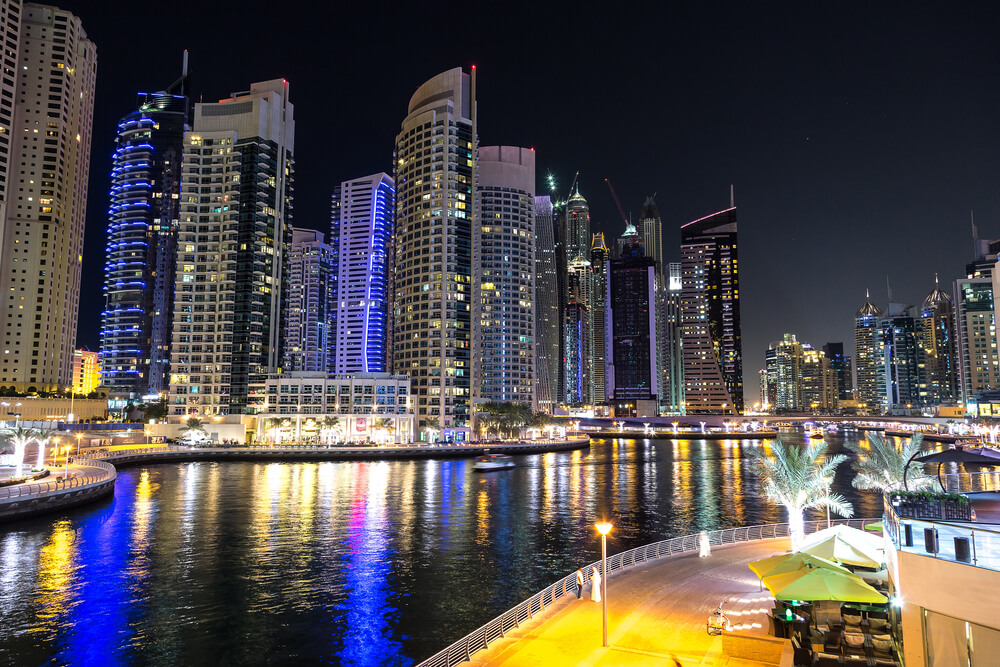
799,477
432,426
273,427
21,437
329,425
194,430
880,465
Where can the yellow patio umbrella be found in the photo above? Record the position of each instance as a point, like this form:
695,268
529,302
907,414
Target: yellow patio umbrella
786,563
822,584
844,548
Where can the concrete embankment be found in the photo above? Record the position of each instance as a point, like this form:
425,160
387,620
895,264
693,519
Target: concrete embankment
691,435
93,481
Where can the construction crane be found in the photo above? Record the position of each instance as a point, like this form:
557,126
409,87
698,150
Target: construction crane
617,203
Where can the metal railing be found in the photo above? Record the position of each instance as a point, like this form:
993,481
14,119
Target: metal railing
480,638
108,473
132,451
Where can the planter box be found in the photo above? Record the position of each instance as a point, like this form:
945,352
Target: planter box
935,510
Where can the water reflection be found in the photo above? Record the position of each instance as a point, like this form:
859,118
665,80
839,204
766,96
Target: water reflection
357,563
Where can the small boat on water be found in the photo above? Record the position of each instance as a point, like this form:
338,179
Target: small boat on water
816,434
488,462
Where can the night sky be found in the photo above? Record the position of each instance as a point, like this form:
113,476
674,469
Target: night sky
858,136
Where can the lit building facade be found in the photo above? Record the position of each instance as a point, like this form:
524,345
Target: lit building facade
783,366
309,304
503,340
361,237
48,166
673,342
328,407
869,358
548,314
435,178
710,315
235,228
903,359
975,324
599,256
652,235
578,338
819,382
631,366
937,338
141,250
86,371
840,363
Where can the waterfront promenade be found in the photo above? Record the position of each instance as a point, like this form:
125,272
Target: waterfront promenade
657,613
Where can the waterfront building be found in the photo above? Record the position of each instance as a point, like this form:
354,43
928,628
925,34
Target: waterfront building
326,407
48,165
578,342
141,250
869,358
235,227
562,278
548,314
599,256
631,368
841,365
361,228
783,366
86,371
435,161
710,315
673,342
309,303
976,346
652,236
903,359
504,277
819,382
937,339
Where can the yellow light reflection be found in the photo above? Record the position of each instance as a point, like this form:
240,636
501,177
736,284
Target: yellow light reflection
56,573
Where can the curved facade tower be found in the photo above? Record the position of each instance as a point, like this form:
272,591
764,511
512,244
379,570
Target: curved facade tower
436,152
547,311
710,316
868,356
142,244
503,340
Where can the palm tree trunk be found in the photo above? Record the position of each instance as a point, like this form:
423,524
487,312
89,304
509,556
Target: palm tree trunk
796,526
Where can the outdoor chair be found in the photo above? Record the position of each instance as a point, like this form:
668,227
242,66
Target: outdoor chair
886,663
856,661
877,625
825,660
832,641
854,643
881,646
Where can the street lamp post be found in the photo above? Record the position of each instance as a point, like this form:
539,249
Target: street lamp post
604,527
72,396
67,449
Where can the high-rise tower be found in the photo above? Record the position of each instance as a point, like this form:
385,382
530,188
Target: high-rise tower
652,235
577,225
548,314
435,177
361,237
599,256
142,242
840,364
937,338
504,277
235,226
710,315
48,164
309,304
673,342
868,357
904,383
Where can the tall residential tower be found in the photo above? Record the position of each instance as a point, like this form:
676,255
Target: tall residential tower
710,315
235,227
435,160
869,362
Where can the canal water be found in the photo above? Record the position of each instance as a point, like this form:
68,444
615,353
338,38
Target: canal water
379,563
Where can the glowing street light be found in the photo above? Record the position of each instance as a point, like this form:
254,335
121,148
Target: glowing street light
66,450
604,527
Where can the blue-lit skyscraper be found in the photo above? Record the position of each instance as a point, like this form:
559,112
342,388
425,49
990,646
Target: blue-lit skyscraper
142,243
361,239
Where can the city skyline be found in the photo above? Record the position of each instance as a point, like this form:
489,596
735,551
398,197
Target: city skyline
820,137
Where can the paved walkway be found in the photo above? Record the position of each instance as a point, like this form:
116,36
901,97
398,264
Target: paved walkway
656,614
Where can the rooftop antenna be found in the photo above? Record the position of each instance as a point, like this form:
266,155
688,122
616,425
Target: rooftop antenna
732,197
975,233
888,288
936,284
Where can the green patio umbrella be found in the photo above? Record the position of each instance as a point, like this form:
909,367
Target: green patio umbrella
822,584
786,563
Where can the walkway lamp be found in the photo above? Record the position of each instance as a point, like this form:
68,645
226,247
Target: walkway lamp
78,437
66,450
604,527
